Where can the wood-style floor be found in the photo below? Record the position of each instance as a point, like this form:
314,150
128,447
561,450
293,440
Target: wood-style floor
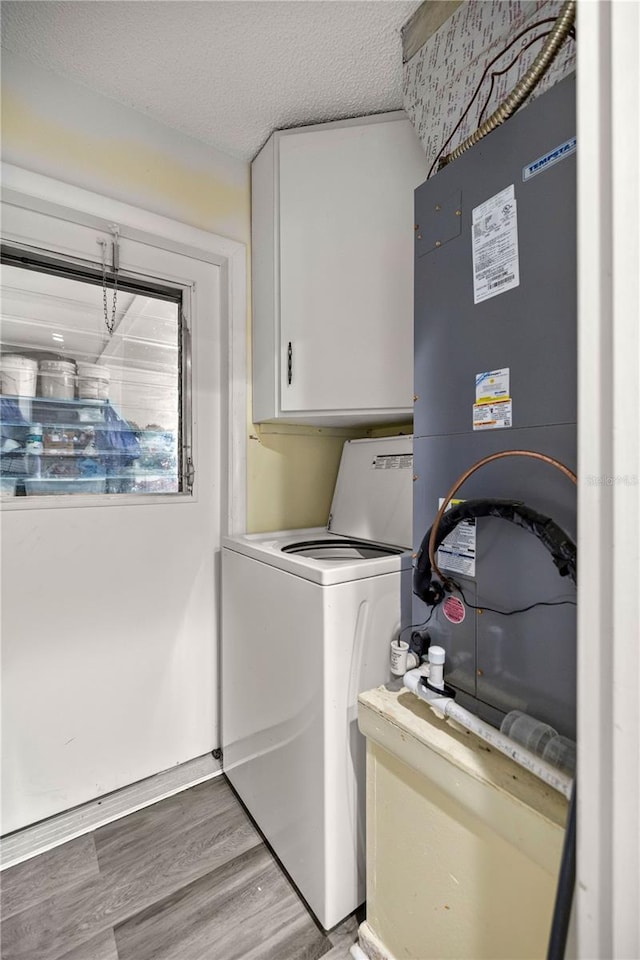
188,878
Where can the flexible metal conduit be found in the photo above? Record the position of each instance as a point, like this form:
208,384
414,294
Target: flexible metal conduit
526,84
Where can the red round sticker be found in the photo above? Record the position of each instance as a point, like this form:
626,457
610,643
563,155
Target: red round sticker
454,610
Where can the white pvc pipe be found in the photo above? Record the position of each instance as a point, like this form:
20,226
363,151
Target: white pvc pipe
446,707
358,953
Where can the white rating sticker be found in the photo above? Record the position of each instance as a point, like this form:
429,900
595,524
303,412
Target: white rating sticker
494,233
457,552
393,461
492,416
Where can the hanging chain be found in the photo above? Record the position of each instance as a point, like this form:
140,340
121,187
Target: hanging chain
110,321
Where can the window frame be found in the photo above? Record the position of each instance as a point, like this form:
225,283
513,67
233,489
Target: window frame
70,205
85,271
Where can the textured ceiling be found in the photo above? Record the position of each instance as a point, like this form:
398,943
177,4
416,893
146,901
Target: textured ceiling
225,72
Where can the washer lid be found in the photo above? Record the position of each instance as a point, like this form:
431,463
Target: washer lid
373,498
346,550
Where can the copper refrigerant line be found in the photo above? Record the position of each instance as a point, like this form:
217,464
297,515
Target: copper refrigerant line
465,476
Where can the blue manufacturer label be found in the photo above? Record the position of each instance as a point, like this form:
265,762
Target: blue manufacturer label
548,160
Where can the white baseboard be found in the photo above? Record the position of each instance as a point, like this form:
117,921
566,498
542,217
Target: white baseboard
370,945
358,953
29,842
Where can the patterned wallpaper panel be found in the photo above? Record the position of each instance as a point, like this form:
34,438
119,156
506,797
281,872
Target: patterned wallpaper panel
440,80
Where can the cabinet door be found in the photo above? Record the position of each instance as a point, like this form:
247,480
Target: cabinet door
346,266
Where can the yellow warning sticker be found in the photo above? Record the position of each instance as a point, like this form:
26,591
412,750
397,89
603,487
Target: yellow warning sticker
493,416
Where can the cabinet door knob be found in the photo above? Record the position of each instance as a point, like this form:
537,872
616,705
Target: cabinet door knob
289,363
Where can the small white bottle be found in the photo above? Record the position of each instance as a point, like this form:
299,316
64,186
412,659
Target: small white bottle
34,448
33,443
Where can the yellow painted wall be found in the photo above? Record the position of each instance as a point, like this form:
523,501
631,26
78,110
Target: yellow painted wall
292,471
291,475
62,130
126,164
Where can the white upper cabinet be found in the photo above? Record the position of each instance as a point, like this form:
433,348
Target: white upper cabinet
332,252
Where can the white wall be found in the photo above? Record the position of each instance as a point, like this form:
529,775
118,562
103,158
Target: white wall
108,651
110,612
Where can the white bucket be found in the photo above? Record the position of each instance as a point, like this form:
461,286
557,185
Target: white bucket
57,379
93,381
7,486
18,375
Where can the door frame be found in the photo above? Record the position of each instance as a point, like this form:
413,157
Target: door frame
608,770
36,192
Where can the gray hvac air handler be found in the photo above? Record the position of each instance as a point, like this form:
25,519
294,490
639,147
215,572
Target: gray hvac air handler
523,177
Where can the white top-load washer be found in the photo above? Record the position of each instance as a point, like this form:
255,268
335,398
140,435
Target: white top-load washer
307,621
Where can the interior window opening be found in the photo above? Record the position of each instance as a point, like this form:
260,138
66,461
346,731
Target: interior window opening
92,382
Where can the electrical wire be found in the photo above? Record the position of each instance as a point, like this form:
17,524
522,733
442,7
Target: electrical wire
416,626
518,36
500,73
525,85
510,613
557,948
